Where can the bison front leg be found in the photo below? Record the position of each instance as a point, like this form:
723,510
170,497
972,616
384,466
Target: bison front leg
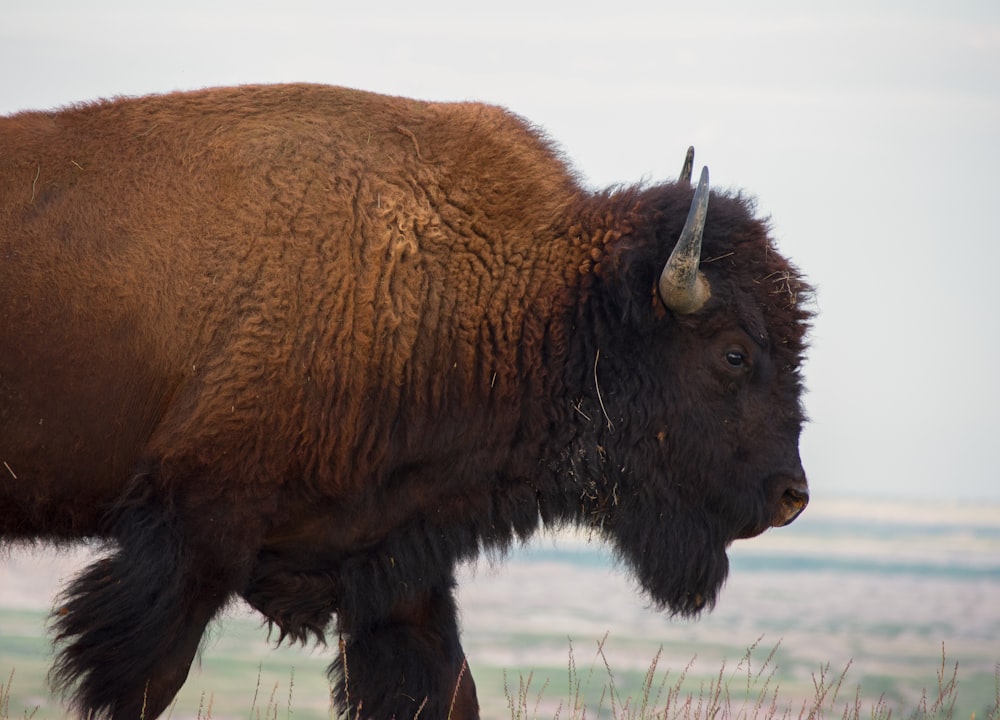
406,665
131,623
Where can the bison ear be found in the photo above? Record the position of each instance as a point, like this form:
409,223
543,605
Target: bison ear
628,286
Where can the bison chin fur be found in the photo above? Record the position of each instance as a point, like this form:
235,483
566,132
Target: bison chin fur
680,562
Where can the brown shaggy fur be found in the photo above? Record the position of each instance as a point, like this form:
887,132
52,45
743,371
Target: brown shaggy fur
313,346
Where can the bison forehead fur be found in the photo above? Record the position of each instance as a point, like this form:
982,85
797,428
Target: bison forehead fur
312,346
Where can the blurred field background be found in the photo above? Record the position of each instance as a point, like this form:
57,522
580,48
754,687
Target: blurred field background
873,588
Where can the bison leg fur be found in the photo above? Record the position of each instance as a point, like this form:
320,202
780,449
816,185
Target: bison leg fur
130,624
410,664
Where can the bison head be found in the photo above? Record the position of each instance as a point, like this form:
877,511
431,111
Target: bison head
695,377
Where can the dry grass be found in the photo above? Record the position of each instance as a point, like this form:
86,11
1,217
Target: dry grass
270,711
749,691
5,702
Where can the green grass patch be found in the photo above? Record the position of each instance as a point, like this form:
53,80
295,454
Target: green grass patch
754,687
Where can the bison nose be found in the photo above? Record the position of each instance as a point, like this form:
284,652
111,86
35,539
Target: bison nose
791,504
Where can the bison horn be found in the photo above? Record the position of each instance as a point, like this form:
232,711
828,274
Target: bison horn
683,287
688,166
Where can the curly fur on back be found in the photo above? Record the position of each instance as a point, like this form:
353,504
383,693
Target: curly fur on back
312,347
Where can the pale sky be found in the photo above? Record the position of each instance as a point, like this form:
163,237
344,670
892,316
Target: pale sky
868,130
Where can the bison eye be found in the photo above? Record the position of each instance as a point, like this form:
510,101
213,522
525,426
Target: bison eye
736,358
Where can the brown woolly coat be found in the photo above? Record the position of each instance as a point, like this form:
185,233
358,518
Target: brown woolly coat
190,249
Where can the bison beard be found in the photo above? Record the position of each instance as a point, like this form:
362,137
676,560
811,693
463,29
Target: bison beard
312,347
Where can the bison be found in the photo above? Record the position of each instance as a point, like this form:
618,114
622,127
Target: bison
311,347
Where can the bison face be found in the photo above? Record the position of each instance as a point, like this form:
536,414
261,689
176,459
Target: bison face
751,411
699,407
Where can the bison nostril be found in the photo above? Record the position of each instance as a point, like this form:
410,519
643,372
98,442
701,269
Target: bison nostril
793,501
798,496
